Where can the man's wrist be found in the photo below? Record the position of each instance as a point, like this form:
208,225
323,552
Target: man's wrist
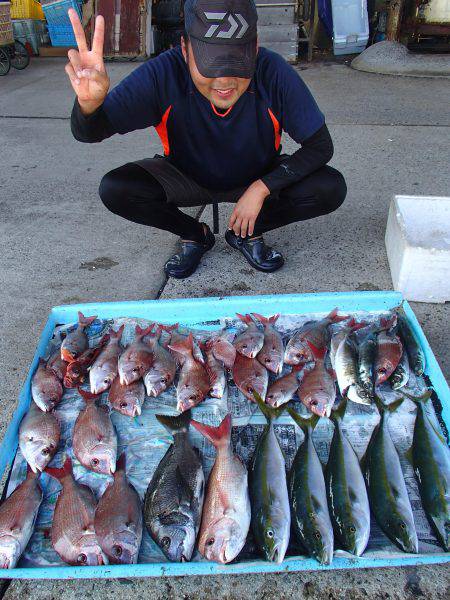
261,188
89,108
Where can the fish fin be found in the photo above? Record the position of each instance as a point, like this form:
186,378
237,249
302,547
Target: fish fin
389,407
303,423
85,321
121,464
268,411
338,413
317,352
105,339
219,436
334,317
244,318
357,326
184,346
60,473
88,396
167,328
426,396
386,324
117,334
175,423
267,320
140,333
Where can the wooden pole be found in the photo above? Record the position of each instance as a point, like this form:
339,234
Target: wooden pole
395,10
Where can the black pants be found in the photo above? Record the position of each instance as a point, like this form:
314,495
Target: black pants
134,194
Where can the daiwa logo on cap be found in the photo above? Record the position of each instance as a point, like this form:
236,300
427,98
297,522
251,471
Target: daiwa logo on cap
237,25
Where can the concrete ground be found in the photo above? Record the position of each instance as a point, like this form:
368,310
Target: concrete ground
59,245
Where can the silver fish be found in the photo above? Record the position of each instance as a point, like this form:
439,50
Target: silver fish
118,519
17,518
39,434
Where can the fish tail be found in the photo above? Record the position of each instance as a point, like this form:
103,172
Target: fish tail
143,332
117,334
354,325
88,396
267,320
168,328
418,399
183,345
386,324
333,316
62,472
175,423
268,411
244,318
387,407
121,464
317,352
338,413
104,340
85,321
219,436
303,423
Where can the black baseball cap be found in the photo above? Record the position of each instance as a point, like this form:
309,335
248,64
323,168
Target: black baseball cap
223,36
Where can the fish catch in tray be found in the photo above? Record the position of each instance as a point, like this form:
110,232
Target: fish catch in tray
163,370
216,372
94,437
250,376
249,342
76,341
223,349
193,384
317,390
431,462
412,345
308,497
386,486
17,518
346,368
271,515
282,390
46,388
400,376
127,399
298,350
136,360
118,519
104,369
73,535
39,435
178,338
174,499
226,512
347,495
272,353
77,370
388,354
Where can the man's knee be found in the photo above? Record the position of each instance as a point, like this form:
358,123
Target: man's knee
331,189
111,190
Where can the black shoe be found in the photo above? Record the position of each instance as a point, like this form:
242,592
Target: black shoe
260,256
185,263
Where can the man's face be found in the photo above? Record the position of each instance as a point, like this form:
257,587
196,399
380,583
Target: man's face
223,92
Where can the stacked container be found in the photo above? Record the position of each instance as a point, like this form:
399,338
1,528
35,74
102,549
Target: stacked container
58,23
28,23
6,30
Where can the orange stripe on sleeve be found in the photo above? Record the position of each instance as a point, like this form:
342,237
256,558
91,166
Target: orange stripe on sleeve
161,130
276,128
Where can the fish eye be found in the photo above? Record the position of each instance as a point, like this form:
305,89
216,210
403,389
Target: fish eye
163,380
352,529
95,462
269,533
381,370
298,355
267,360
123,405
31,438
45,451
192,397
318,535
314,403
165,542
82,559
210,542
244,346
249,389
117,550
135,369
106,381
402,525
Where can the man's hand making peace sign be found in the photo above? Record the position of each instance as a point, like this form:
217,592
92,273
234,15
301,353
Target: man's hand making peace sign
86,69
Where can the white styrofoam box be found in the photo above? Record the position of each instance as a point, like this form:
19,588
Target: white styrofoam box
418,247
350,26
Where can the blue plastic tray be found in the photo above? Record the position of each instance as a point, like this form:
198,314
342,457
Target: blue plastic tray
197,311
